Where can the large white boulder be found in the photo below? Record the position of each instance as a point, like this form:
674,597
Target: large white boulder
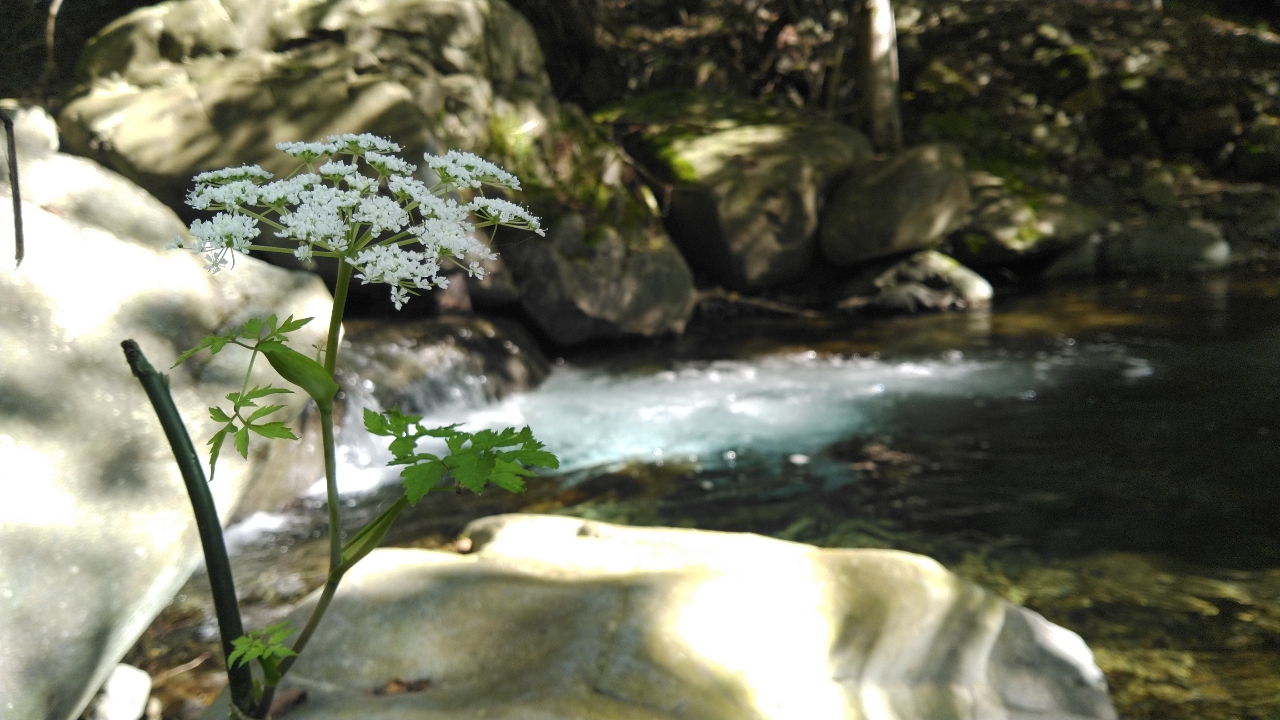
96,531
557,618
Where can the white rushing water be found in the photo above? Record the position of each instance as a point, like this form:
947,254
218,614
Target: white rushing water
713,414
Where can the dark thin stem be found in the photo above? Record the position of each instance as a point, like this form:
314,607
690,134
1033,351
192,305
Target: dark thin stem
18,251
49,29
215,551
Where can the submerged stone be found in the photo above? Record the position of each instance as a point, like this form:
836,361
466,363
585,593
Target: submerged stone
927,280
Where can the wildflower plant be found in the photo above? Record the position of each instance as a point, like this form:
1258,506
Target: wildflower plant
353,199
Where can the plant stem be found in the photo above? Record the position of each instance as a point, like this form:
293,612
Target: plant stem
331,489
215,551
335,318
326,596
18,250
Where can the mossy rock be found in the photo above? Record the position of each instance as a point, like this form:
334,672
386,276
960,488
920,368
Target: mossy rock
745,182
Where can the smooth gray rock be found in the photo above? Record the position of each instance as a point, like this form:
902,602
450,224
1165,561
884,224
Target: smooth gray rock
96,531
557,618
1165,247
746,183
190,85
928,280
909,202
624,279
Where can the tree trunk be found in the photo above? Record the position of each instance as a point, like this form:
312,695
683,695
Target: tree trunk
877,38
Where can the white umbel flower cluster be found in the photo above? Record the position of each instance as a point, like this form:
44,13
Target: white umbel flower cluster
364,208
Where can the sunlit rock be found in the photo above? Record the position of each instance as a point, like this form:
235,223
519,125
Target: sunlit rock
556,617
909,202
123,696
191,85
927,280
1005,228
745,183
96,531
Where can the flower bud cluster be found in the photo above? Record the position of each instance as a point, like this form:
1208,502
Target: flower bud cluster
366,216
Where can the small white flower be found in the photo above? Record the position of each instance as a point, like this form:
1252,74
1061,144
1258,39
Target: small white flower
222,234
320,218
228,196
174,244
501,212
382,214
226,175
359,144
399,296
303,253
361,184
280,191
336,169
447,238
307,151
406,188
388,164
462,169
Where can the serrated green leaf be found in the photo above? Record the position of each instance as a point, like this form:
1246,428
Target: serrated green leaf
218,343
375,423
404,446
216,442
242,442
509,476
290,324
277,633
472,471
539,458
398,422
274,430
205,342
446,431
263,391
263,411
217,414
252,329
420,479
241,646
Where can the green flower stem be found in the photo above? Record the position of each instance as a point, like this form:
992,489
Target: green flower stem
335,318
331,489
210,528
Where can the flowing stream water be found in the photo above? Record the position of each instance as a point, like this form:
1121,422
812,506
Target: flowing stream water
1105,453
